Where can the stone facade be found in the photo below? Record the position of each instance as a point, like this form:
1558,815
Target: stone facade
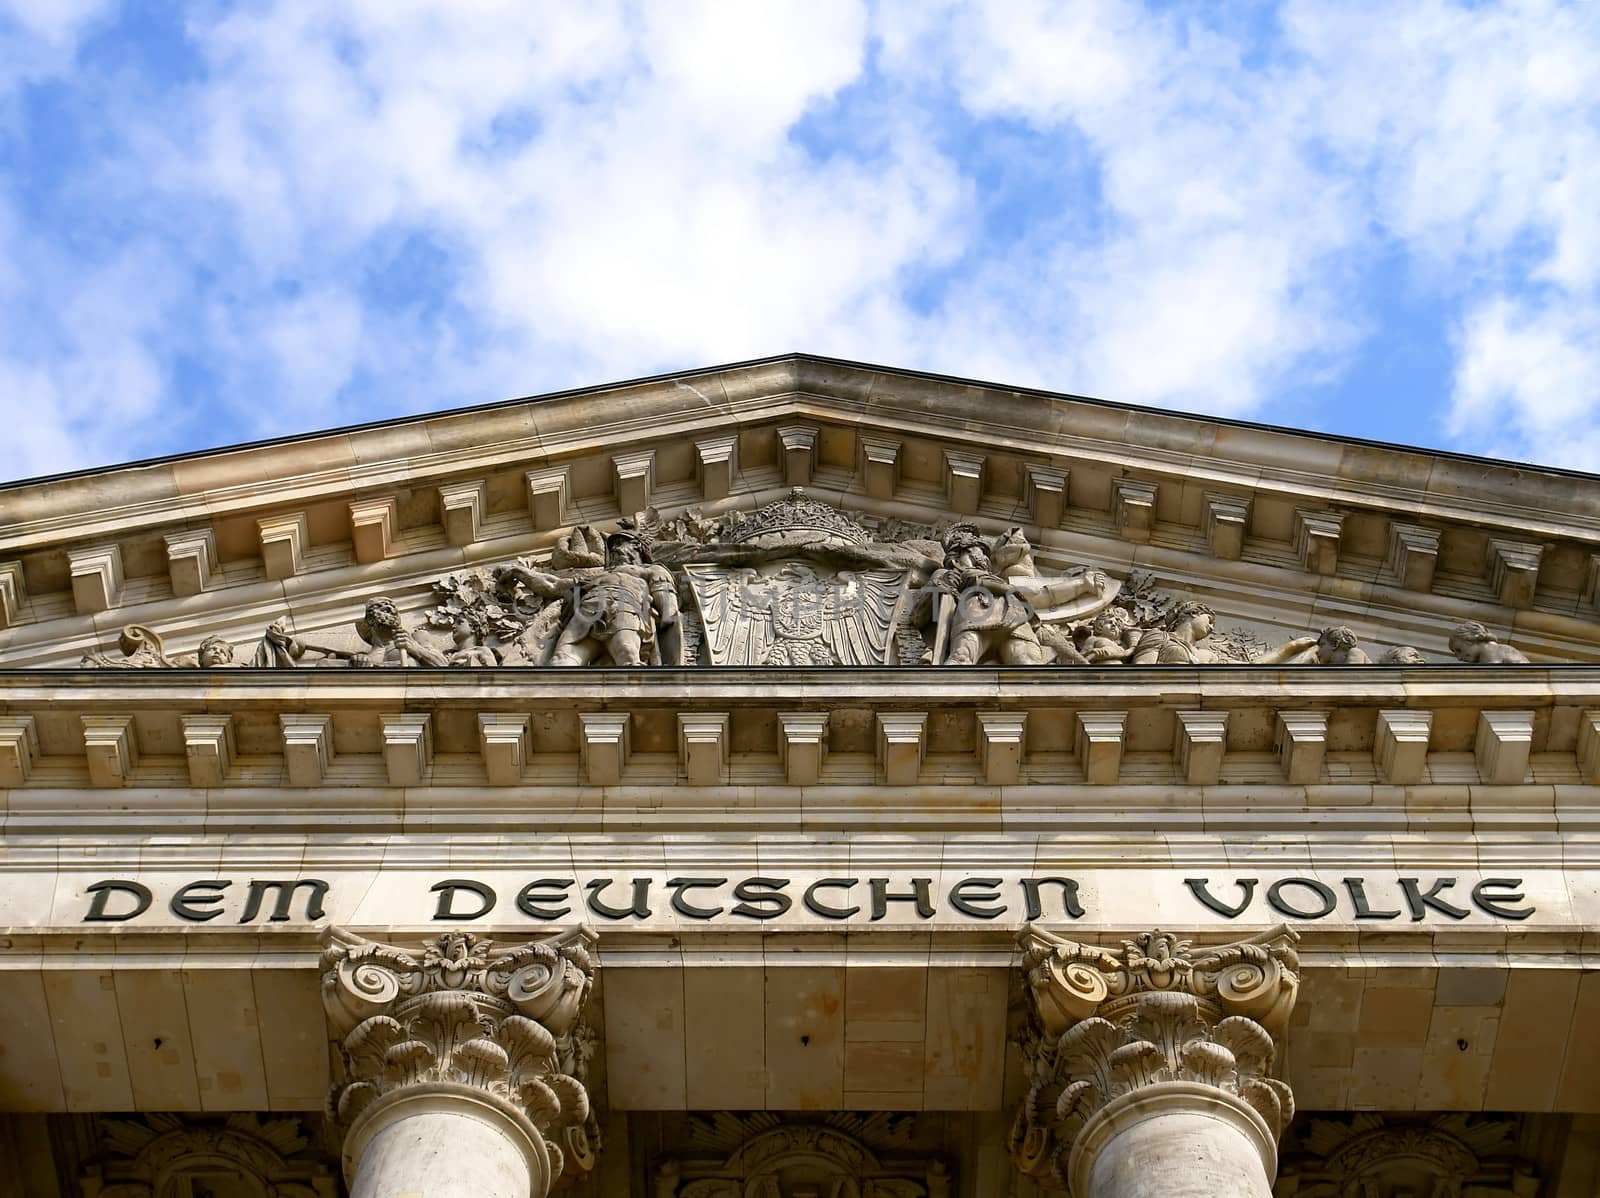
801,778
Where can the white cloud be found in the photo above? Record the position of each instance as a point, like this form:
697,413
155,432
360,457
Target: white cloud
1528,376
652,210
1210,274
628,188
1482,128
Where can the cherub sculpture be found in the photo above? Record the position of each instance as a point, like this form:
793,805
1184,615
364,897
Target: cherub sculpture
1107,639
1335,646
143,648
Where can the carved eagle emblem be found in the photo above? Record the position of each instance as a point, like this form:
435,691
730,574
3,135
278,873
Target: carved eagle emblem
787,614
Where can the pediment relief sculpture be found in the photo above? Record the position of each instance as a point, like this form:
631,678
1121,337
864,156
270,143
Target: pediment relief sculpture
797,582
243,1154
1369,1155
789,1157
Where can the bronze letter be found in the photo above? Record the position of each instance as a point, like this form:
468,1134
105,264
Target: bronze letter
447,896
1200,888
1358,895
282,896
1420,900
530,900
682,907
881,898
761,890
187,902
1491,902
1069,896
1323,892
102,892
967,903
814,905
641,900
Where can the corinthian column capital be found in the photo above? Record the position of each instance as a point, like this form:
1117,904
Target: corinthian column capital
471,1025
1160,1027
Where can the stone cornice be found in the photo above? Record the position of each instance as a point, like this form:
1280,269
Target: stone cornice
411,468
1381,752
1453,685
348,459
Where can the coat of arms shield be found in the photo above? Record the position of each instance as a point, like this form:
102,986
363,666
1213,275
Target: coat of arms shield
785,613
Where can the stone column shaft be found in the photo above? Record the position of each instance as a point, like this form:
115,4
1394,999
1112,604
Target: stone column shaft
1175,1140
435,1144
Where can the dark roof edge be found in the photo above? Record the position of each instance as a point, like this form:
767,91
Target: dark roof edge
930,376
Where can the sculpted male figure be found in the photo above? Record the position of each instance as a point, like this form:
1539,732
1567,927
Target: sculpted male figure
215,653
388,642
977,615
627,611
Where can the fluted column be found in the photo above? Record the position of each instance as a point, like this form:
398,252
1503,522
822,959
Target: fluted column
1150,1068
464,1064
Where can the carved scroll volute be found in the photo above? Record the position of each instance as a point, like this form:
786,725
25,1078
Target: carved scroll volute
1258,979
551,980
361,979
1066,980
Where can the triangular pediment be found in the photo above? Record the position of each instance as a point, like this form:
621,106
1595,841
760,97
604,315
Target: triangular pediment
1282,534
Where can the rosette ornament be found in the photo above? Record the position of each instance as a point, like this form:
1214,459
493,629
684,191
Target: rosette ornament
466,1029
1161,1049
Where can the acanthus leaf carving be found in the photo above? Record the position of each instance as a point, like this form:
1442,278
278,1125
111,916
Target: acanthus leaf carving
1103,1024
503,1020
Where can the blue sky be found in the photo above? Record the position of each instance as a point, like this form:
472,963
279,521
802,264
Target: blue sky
226,222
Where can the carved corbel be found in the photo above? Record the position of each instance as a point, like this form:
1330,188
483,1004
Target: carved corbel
462,507
1133,508
635,479
96,578
503,1021
1159,1013
798,443
716,465
1045,493
13,594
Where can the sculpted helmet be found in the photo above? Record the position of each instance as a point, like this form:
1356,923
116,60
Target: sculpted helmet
960,537
626,536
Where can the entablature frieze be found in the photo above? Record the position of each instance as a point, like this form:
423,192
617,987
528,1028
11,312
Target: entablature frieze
1367,741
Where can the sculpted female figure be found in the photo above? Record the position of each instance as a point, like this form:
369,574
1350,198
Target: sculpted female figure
1474,644
1180,640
